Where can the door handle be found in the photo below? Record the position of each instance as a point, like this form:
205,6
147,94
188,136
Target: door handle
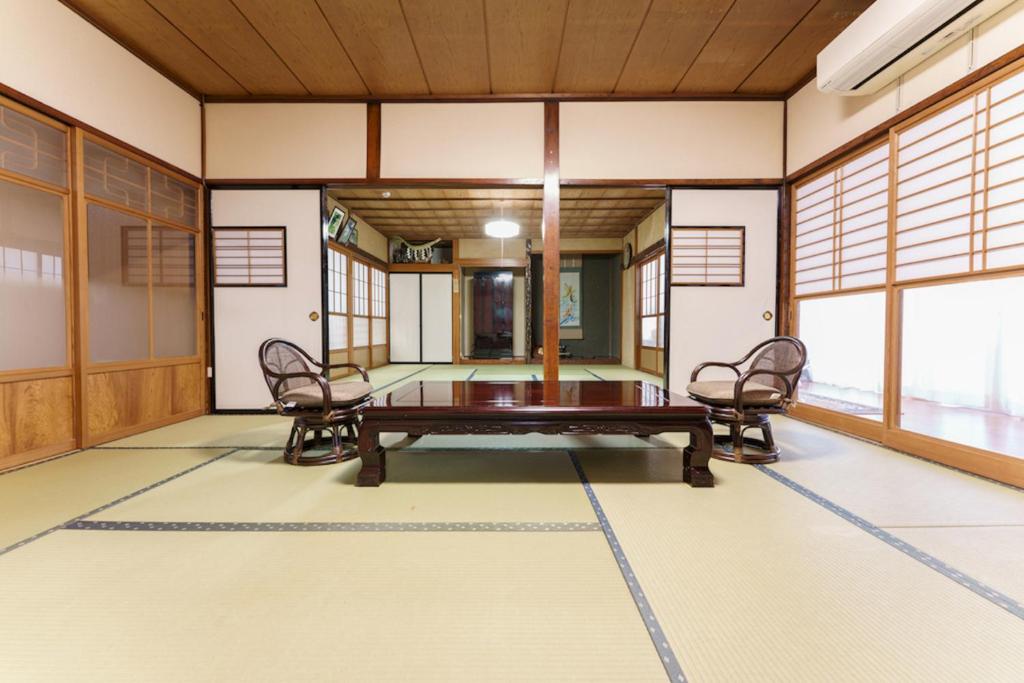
767,315
314,316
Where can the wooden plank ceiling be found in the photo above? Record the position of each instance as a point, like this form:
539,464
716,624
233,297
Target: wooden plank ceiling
425,214
454,48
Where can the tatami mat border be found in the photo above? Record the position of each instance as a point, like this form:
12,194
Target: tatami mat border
665,652
529,527
401,379
970,583
471,375
595,374
111,504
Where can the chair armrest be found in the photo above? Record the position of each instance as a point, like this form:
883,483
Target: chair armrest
754,372
713,364
360,368
325,386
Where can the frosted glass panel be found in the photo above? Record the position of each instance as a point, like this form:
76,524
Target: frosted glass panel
338,331
32,148
118,302
32,306
360,331
380,331
174,292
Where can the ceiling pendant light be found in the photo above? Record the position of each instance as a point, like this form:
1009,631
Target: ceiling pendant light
501,228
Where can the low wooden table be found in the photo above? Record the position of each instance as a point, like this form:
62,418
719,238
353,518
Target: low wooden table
636,408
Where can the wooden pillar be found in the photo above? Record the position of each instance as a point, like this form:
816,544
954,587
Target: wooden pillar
373,140
552,241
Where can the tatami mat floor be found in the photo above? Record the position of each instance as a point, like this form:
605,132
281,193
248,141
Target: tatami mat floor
193,553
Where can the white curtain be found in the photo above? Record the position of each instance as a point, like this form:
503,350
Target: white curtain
963,344
845,338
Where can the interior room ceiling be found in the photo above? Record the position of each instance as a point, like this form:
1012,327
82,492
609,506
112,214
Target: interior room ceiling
454,48
425,214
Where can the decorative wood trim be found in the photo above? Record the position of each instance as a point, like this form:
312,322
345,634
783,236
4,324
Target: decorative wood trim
307,183
373,140
497,97
678,183
423,268
550,230
877,133
493,263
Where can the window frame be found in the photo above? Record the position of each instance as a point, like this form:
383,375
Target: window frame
214,230
889,431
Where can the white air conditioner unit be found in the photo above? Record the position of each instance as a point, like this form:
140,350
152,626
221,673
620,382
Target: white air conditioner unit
891,37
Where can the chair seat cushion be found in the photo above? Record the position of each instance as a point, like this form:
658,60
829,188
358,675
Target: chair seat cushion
722,392
342,393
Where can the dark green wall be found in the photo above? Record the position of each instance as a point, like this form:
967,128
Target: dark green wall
602,306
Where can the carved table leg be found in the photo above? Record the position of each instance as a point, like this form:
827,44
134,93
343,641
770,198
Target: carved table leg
696,456
373,471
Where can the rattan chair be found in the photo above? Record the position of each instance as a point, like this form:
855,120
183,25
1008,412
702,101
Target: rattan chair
316,404
743,404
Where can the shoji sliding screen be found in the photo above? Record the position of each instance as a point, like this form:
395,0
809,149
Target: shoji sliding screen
908,278
958,270
36,354
840,249
143,293
357,310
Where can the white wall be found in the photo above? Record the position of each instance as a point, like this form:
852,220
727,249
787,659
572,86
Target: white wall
286,140
723,323
462,140
818,123
692,140
52,55
245,316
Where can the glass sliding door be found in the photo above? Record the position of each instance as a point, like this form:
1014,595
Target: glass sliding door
961,366
908,278
840,249
37,365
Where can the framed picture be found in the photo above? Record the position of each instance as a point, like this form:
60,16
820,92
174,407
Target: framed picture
348,233
335,223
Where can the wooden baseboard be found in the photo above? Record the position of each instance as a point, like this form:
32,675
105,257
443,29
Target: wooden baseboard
96,440
36,455
996,466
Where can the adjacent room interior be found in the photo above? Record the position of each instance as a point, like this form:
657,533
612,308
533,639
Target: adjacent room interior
606,341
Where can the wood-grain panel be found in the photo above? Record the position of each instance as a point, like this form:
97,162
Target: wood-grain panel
221,31
145,31
299,34
798,51
747,34
524,39
669,42
127,401
36,419
376,37
596,42
451,40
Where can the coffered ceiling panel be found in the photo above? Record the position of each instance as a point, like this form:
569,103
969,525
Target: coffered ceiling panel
395,49
461,213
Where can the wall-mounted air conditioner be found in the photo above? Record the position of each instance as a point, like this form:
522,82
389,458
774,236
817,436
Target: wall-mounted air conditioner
891,37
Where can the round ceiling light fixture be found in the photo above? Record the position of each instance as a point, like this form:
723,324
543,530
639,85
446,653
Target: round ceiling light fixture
502,229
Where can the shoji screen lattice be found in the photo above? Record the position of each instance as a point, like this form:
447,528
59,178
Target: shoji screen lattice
842,226
960,186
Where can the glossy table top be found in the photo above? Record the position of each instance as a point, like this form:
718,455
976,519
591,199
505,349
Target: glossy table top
540,397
